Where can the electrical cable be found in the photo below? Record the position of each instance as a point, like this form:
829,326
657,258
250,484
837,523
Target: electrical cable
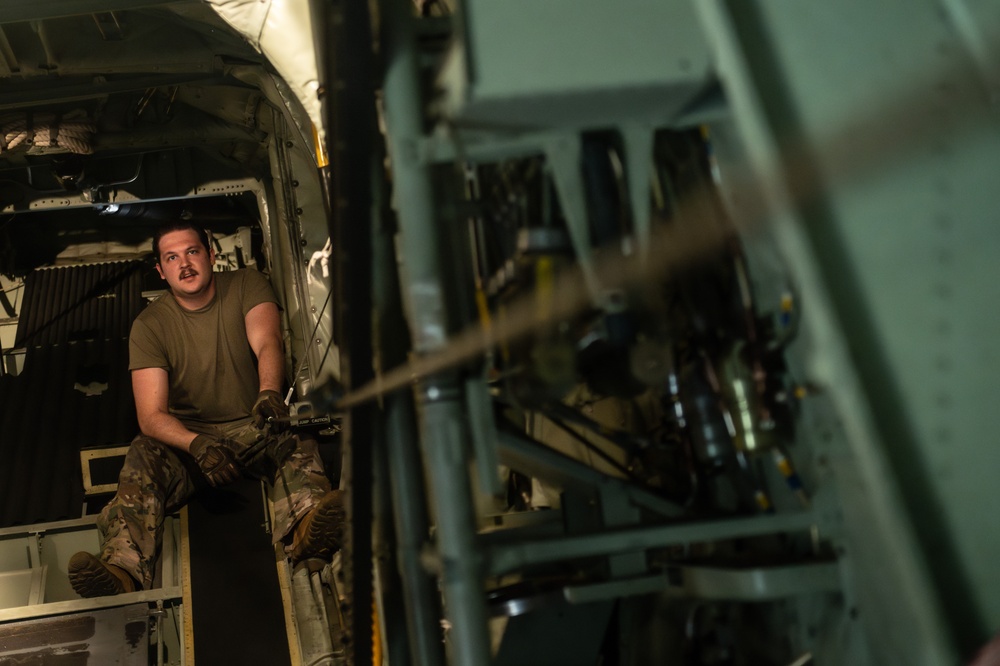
624,440
329,344
593,448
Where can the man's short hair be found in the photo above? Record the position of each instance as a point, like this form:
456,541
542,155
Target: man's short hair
179,225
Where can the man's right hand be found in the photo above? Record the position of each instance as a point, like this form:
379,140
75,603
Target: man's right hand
215,460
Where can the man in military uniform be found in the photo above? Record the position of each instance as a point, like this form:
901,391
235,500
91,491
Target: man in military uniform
207,365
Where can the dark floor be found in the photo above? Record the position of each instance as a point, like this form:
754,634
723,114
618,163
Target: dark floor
237,609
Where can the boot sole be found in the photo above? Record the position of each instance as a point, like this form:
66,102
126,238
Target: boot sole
322,535
91,578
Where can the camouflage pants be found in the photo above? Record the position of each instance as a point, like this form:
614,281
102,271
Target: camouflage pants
157,480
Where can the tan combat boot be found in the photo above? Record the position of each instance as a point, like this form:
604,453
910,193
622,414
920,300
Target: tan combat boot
319,533
92,577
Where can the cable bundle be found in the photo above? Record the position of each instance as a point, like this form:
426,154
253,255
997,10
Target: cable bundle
47,131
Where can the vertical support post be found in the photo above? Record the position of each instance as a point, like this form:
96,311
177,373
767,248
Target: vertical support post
402,459
424,289
348,101
410,511
446,458
618,511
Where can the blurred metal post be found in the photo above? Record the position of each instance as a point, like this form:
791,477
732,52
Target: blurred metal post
424,294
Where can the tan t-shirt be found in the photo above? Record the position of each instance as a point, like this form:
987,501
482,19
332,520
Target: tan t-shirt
212,369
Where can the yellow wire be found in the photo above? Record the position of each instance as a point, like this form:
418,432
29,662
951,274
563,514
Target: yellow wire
376,638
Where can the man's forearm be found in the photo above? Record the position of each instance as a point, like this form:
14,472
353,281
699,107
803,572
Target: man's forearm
168,429
271,367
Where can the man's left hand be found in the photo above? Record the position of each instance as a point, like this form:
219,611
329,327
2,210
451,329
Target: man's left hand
266,455
270,405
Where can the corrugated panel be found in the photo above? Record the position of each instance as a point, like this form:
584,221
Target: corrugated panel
74,303
74,324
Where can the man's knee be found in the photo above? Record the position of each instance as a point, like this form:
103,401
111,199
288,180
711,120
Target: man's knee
147,460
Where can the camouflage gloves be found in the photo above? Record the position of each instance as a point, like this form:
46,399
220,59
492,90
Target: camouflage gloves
266,455
270,405
215,460
219,462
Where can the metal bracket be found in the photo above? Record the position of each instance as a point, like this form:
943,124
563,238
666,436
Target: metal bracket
564,154
711,583
484,435
95,454
638,160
